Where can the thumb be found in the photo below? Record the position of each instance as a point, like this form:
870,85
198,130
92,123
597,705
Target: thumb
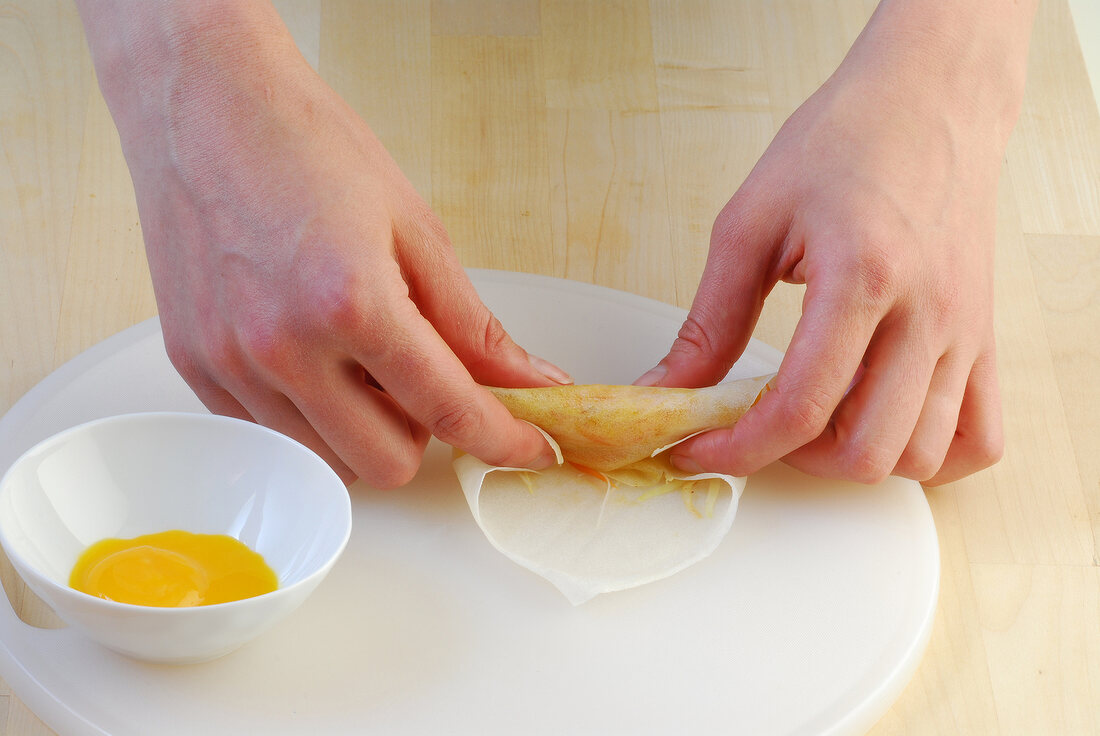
739,274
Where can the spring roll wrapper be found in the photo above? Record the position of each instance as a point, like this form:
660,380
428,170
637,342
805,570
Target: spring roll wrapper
586,538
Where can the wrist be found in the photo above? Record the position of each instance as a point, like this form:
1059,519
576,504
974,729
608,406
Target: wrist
965,58
152,57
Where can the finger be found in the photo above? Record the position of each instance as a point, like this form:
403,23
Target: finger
979,438
825,353
194,372
363,425
272,410
442,291
219,401
279,413
939,417
874,422
421,373
738,275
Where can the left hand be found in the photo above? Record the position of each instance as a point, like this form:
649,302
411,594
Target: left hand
879,194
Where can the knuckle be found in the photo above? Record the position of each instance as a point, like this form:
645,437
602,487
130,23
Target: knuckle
337,306
489,339
264,342
694,337
488,342
988,449
393,474
390,464
946,298
944,304
209,367
805,414
334,303
869,463
727,228
223,354
919,463
455,422
182,357
731,228
432,226
494,341
876,274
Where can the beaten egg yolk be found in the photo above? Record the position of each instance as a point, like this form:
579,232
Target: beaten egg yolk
173,568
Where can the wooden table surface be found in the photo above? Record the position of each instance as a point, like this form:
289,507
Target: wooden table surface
596,141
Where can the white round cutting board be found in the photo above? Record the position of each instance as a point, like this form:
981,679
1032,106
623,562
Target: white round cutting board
810,617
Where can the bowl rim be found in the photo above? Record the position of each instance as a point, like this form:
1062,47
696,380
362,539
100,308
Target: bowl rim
21,563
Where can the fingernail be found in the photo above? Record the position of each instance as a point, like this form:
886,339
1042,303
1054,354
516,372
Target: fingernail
545,460
548,369
653,376
685,463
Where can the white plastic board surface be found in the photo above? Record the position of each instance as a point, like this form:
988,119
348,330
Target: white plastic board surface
810,617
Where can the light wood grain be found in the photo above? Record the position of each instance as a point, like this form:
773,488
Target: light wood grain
490,159
598,55
951,693
1025,511
485,17
608,195
42,110
303,20
716,121
598,140
1066,269
1058,186
393,67
106,286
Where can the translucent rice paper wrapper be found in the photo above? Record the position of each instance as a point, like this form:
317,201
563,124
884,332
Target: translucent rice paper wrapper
586,540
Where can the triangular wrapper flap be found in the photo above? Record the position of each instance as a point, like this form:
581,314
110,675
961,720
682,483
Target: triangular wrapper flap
634,521
608,427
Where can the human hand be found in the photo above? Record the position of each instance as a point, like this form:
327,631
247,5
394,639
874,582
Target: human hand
301,281
879,194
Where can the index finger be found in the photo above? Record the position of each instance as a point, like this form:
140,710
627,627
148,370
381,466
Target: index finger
423,375
828,345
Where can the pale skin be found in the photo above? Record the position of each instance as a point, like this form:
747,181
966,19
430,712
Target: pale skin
304,284
879,194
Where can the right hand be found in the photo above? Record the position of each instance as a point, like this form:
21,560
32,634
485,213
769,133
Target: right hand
302,283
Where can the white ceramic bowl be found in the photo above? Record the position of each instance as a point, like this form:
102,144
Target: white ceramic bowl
141,473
